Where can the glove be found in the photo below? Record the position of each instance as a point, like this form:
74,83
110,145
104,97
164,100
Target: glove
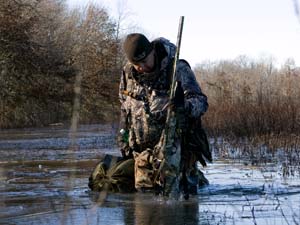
179,95
180,107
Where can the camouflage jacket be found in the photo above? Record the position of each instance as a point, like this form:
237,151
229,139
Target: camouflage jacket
142,109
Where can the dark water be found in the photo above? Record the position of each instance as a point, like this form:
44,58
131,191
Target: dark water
44,181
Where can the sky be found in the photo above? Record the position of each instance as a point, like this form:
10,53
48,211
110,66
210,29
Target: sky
217,29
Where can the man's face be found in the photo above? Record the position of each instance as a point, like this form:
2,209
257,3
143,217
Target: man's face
147,64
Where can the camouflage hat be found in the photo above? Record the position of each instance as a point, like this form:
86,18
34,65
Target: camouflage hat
136,47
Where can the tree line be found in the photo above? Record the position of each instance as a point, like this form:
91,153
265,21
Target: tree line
43,45
251,98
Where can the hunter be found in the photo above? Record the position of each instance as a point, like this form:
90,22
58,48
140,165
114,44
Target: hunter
143,92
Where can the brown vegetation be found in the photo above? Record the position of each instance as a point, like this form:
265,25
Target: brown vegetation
253,105
43,45
248,98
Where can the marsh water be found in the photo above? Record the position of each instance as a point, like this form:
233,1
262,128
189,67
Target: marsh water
44,176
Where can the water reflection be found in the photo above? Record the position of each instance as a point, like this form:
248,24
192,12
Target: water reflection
33,189
146,209
160,212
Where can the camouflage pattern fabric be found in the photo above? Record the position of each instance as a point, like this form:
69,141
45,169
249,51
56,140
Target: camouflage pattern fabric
143,170
143,108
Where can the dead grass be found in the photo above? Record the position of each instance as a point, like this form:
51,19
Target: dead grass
254,107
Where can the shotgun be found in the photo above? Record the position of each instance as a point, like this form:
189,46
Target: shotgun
166,162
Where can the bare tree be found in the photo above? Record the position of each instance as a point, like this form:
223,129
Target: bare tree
43,46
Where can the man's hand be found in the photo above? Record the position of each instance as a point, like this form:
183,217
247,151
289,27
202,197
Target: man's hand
179,95
178,100
180,107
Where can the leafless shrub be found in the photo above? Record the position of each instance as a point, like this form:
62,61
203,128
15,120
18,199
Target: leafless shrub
43,45
252,100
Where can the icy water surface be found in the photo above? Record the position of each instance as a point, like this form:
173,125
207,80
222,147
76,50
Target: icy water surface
44,181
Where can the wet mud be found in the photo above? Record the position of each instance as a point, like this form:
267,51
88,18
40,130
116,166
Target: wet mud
43,180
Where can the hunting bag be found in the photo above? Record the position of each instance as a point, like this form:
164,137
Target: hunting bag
113,174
